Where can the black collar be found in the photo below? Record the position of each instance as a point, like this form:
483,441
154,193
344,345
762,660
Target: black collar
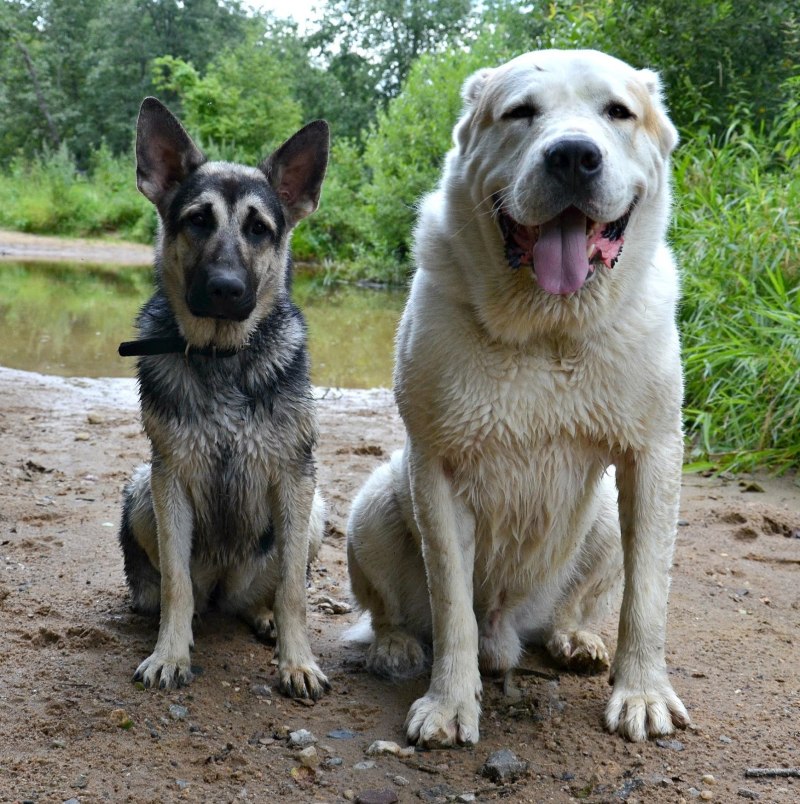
171,345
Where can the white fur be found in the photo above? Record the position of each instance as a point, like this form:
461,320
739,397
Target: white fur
524,409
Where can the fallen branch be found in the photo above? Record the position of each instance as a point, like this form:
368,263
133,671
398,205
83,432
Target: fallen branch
772,560
772,773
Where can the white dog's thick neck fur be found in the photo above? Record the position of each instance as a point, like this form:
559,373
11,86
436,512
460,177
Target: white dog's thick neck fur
518,400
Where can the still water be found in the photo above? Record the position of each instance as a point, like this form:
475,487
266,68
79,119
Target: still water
68,319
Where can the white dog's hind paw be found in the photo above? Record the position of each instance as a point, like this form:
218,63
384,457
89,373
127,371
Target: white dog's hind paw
434,722
637,714
582,651
165,672
303,680
396,655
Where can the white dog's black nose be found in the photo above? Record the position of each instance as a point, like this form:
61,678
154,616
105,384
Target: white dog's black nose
574,161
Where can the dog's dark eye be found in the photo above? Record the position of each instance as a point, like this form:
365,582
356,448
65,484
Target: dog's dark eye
525,111
618,111
258,228
200,220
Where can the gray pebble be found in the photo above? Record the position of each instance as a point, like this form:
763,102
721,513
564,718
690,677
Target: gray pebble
178,712
261,690
301,738
503,766
80,782
672,745
726,740
466,798
72,801
400,781
441,792
367,764
342,734
182,784
333,762
744,792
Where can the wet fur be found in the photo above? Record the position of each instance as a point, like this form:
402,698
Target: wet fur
227,508
544,432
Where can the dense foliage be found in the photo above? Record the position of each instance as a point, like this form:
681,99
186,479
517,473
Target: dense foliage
387,74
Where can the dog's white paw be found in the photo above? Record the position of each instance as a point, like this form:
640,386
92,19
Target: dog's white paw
165,672
435,722
652,711
302,680
396,654
582,651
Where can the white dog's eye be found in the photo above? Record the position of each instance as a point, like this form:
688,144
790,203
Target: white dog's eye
618,111
525,111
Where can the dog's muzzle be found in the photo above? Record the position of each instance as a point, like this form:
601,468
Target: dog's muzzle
225,292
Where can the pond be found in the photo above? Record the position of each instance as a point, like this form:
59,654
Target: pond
68,319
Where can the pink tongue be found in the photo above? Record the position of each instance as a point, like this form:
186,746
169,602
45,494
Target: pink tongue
559,256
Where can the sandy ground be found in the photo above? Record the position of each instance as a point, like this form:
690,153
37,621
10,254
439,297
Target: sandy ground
74,727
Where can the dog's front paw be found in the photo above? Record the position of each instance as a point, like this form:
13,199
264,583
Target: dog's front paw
581,651
652,710
396,654
435,722
303,680
165,672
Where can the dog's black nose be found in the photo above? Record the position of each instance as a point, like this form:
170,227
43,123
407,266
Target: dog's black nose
221,293
574,160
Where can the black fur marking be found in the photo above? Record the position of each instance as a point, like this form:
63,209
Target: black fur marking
144,580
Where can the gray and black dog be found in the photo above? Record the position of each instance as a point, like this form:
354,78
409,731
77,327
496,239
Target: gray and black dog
228,508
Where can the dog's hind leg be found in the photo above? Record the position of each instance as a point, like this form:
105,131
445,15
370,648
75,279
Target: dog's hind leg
387,576
573,640
139,541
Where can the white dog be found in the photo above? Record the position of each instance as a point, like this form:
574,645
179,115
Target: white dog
539,378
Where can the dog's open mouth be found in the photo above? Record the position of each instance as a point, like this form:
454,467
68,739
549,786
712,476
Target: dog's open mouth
565,251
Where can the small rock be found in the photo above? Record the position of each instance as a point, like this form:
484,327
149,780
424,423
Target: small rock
694,792
707,778
261,690
58,743
308,757
706,795
382,747
503,766
342,734
726,740
301,738
367,764
349,794
752,486
178,712
121,719
81,436
80,782
182,784
333,762
72,801
465,798
743,792
385,796
672,745
400,781
683,523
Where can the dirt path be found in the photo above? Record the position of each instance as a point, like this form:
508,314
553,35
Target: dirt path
70,645
21,246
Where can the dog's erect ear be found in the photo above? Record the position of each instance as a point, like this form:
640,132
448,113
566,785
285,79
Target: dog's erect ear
297,168
165,153
656,114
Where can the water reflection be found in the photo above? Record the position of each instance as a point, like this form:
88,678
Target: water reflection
68,319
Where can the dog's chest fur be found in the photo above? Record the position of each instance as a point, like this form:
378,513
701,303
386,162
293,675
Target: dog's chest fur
228,427
525,436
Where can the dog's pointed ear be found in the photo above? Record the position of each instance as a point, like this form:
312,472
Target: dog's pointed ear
297,168
165,153
656,117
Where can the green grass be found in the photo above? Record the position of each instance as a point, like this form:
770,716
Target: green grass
737,234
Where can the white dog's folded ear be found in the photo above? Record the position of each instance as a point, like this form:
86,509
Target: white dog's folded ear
666,133
473,86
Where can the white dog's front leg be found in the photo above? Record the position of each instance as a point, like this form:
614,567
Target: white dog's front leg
448,714
300,676
169,665
643,702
